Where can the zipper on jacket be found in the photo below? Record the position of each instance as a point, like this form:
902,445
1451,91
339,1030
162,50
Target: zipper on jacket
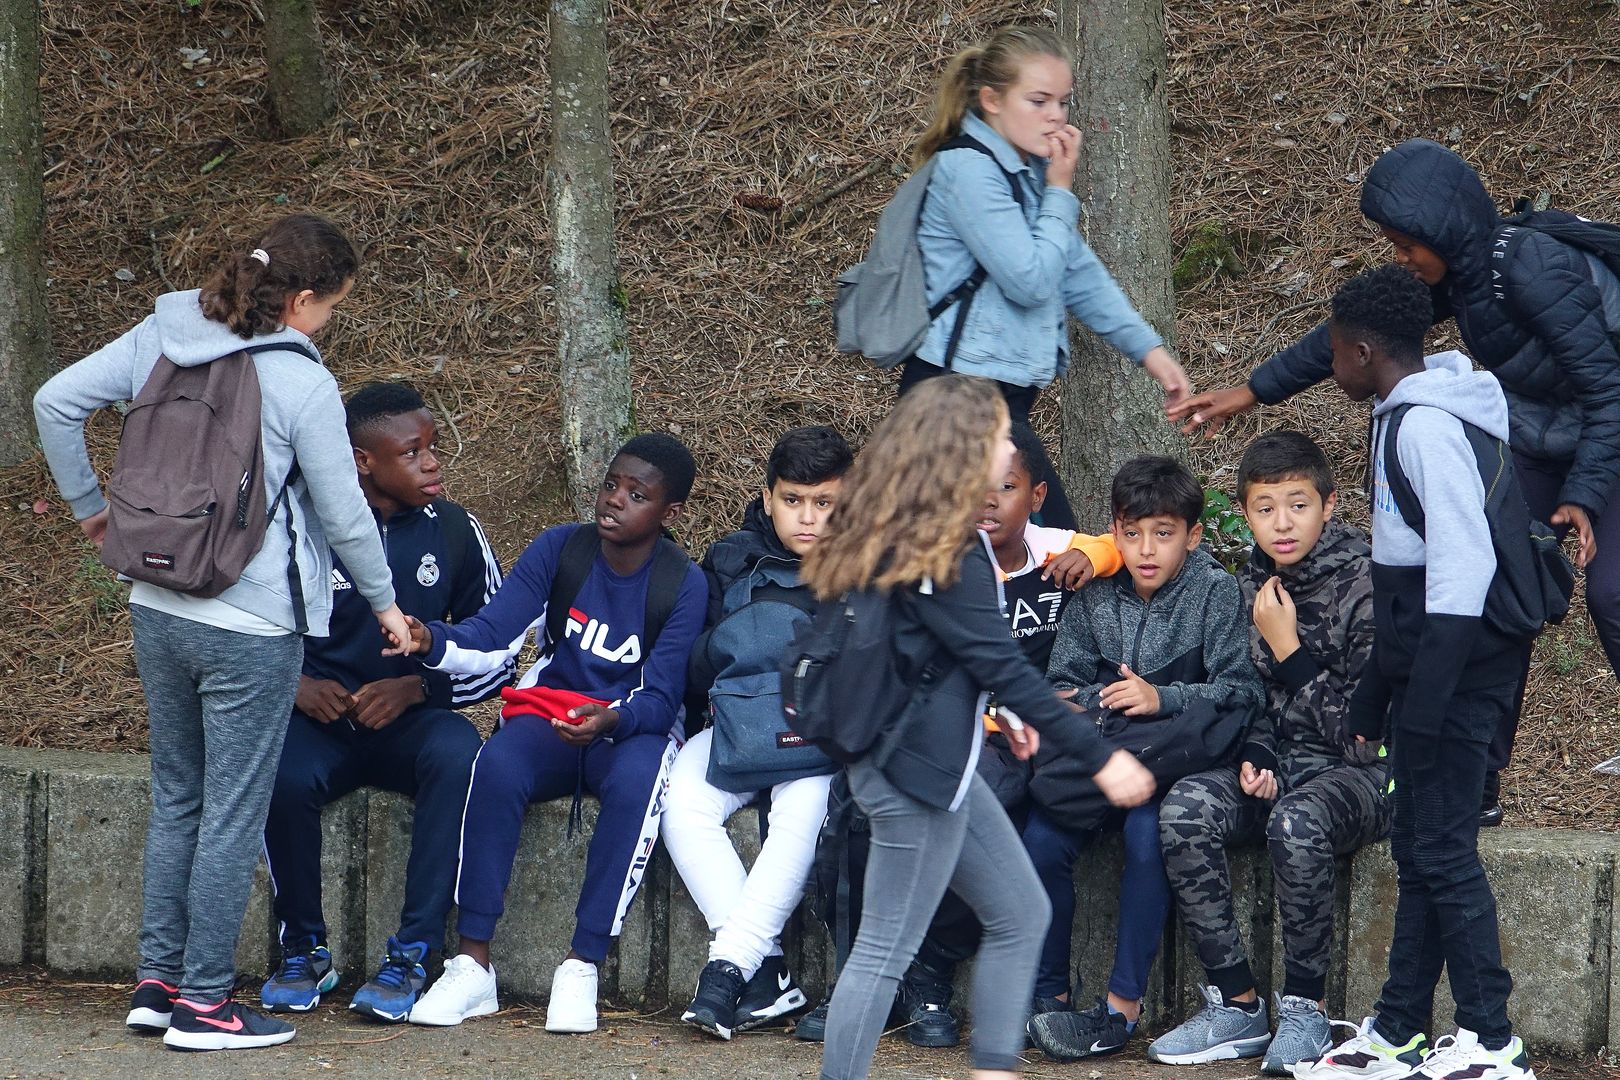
242,500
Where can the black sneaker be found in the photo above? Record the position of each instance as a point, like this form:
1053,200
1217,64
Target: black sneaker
150,1006
812,1026
769,997
714,1005
1039,1005
923,1005
1070,1036
225,1025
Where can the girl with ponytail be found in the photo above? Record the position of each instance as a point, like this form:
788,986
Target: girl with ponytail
999,199
220,672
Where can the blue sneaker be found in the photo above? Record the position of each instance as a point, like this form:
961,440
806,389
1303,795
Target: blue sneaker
396,986
305,974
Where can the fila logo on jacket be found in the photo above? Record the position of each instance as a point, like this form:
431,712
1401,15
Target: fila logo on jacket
595,639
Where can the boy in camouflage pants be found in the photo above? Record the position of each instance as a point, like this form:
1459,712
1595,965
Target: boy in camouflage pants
1305,788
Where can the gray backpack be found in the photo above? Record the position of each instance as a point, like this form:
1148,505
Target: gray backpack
187,506
882,308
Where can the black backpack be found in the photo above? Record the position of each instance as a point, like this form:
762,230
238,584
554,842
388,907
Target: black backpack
669,567
842,687
1596,238
1534,578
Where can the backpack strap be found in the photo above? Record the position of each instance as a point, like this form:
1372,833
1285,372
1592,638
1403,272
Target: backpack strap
283,346
579,553
1400,488
965,292
670,564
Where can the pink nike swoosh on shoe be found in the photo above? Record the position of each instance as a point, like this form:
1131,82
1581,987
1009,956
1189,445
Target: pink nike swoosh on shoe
233,1024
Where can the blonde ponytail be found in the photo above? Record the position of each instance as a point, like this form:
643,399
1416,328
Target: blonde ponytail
995,64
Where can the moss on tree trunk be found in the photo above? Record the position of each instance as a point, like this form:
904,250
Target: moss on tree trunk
301,96
593,352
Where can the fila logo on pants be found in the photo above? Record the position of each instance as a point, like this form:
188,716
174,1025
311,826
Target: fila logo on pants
595,639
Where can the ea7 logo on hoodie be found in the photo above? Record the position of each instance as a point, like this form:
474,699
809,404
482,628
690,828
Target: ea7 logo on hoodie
595,639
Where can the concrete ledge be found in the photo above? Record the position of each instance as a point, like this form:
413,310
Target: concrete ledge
72,831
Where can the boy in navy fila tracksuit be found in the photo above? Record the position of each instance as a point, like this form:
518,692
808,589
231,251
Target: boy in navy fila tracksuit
599,712
362,719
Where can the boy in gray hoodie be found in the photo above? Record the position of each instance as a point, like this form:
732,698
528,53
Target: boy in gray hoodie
219,673
1427,615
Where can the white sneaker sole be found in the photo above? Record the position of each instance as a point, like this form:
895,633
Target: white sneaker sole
222,1040
783,1007
717,1030
147,1021
1253,1046
570,1025
430,1019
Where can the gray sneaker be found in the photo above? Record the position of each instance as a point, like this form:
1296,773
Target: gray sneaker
1303,1034
1219,1032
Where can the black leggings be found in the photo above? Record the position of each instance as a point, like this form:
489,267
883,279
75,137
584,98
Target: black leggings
1056,512
1541,481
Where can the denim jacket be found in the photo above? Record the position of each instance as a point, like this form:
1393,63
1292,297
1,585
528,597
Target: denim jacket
1038,266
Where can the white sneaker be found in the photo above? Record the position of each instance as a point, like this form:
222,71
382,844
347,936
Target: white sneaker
572,1007
1461,1057
465,990
1366,1056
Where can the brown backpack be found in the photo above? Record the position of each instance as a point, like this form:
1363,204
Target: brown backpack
187,506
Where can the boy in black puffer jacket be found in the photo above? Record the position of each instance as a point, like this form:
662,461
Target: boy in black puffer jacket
755,605
1544,322
1302,785
1159,657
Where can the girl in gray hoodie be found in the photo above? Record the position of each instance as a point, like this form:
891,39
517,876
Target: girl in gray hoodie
220,673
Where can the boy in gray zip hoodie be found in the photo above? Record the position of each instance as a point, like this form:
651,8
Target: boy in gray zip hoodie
1427,614
219,673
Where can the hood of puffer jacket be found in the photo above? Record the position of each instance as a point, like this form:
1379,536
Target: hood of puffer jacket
1338,546
1429,193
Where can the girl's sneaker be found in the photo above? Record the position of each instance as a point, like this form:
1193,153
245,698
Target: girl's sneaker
304,975
224,1025
1366,1056
812,1026
465,990
1304,1033
1461,1057
151,1006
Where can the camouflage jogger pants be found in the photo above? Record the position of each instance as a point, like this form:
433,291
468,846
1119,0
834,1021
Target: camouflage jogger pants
1331,814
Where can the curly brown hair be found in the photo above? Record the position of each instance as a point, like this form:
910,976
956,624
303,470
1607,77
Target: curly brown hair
907,507
305,252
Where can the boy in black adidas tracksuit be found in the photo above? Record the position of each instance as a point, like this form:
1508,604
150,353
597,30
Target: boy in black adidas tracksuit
362,719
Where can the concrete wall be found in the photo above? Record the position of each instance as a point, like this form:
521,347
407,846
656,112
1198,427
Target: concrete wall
72,828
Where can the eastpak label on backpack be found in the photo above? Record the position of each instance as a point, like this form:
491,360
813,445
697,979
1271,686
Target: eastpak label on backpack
187,508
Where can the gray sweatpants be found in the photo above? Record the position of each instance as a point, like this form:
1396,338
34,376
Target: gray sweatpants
917,852
218,703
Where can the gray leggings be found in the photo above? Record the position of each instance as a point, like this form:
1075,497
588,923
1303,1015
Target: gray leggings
219,703
917,852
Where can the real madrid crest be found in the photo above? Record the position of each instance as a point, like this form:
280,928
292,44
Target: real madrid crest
427,575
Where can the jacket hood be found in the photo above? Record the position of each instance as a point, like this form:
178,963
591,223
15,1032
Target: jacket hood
1338,546
190,338
1429,193
1450,383
736,553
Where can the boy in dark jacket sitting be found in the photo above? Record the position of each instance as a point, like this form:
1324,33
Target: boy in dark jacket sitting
1301,785
1164,641
756,603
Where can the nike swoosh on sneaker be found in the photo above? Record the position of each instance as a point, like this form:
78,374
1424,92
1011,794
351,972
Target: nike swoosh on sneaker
235,1023
783,981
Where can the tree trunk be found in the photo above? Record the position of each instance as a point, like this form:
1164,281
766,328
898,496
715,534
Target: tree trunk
301,97
593,351
1111,410
25,337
